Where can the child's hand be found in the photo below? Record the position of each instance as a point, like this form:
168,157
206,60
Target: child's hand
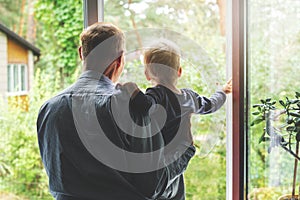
131,88
227,88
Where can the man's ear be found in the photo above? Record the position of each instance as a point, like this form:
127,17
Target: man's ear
80,52
119,61
147,75
179,72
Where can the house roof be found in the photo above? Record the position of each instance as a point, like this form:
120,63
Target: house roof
22,41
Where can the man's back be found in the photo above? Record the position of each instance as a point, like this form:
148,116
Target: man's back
72,169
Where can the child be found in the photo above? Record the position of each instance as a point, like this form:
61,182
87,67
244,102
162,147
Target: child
162,68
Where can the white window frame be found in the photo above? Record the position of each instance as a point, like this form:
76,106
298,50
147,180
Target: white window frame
11,91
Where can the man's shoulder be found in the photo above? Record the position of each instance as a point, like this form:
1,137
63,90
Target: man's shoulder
58,100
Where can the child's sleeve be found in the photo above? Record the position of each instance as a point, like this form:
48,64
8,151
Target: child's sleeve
204,105
140,103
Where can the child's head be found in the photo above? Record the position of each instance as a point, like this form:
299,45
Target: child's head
162,62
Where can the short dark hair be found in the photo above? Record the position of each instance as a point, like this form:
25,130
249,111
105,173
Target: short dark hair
101,43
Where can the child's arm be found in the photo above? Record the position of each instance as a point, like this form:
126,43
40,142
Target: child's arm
206,105
139,102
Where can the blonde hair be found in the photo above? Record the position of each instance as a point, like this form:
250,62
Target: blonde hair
101,43
162,61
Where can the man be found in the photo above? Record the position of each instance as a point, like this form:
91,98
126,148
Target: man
93,145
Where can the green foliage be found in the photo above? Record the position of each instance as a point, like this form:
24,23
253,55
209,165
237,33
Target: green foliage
60,24
23,170
10,12
290,124
280,128
204,179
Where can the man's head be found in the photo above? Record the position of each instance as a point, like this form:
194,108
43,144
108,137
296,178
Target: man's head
162,62
102,48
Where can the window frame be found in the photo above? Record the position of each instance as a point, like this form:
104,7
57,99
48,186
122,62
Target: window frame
12,90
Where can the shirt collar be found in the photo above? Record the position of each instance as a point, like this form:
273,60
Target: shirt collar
90,74
97,78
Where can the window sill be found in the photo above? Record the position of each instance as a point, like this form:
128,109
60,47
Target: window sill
23,93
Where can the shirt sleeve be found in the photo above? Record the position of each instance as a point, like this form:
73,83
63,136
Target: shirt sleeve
205,105
142,102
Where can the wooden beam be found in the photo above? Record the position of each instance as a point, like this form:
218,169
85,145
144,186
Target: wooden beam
93,11
238,98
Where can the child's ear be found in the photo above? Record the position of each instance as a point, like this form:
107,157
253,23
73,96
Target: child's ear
179,72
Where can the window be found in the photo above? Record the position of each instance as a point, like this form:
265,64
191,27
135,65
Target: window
273,60
17,78
198,27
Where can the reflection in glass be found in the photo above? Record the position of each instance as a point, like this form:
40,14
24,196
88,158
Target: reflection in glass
274,63
16,78
9,77
23,83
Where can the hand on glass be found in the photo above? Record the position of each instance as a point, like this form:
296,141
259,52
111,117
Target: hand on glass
227,88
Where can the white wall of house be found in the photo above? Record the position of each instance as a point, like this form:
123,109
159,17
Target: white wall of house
30,70
3,65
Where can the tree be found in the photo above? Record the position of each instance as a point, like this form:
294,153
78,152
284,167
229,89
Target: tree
60,24
10,13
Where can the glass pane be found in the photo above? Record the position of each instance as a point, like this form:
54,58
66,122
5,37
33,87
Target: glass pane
23,79
198,28
16,78
274,66
9,77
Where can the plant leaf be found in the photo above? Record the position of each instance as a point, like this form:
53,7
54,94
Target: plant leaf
290,128
256,113
298,137
294,101
282,103
295,114
268,99
297,123
264,139
257,120
257,105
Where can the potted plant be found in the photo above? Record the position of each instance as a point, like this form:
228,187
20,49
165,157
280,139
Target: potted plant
281,128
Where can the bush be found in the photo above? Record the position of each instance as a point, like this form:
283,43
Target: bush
21,169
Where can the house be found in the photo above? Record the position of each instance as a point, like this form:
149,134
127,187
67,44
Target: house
17,59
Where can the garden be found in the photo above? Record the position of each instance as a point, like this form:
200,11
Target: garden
273,71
